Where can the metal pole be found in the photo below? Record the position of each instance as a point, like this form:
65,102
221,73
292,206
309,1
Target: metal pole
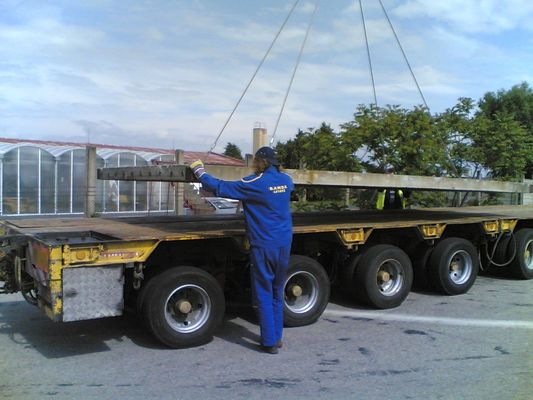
248,160
39,197
56,182
104,205
1,185
135,186
18,180
347,197
160,195
179,194
90,192
118,186
71,181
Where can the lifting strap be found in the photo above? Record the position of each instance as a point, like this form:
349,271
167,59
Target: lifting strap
253,76
368,54
294,72
400,47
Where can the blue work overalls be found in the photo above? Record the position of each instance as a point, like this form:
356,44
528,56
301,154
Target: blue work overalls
266,204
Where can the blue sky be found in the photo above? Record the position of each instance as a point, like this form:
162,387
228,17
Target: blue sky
168,73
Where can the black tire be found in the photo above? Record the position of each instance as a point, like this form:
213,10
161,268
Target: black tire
183,306
420,256
522,265
384,276
347,276
453,266
31,296
307,291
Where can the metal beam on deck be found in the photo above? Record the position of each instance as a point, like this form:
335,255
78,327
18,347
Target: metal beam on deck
182,173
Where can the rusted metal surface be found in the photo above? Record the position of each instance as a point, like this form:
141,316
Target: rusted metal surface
181,173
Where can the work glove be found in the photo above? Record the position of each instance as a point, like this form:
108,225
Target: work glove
198,168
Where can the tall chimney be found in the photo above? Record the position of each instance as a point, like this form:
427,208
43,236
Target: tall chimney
260,136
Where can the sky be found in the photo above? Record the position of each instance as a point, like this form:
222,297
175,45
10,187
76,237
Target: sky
167,74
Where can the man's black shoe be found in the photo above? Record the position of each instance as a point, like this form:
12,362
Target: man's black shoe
270,349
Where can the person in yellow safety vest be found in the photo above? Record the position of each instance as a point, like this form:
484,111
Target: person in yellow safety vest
391,198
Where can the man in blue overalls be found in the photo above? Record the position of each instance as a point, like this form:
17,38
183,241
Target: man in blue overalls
266,203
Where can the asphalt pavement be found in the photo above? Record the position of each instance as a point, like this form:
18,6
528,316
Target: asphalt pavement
474,346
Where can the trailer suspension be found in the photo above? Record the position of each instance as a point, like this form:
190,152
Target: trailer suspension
7,273
504,259
138,275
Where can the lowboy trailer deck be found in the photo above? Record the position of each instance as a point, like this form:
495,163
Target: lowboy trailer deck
179,271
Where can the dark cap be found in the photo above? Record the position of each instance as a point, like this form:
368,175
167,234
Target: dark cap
267,153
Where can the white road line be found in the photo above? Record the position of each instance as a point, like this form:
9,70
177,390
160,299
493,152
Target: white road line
388,316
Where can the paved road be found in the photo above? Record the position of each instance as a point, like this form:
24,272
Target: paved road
475,346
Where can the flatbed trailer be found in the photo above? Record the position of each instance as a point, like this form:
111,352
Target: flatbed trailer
178,271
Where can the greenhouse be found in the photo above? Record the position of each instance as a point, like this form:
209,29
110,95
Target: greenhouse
49,178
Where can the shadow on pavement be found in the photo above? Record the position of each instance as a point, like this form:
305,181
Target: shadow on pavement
28,327
235,333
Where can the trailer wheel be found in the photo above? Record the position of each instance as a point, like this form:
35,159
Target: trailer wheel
384,276
522,265
347,277
419,258
30,295
183,306
453,266
307,290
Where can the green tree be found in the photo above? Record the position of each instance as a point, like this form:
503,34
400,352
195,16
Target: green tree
232,150
505,105
516,102
455,126
393,136
291,152
317,149
501,145
480,143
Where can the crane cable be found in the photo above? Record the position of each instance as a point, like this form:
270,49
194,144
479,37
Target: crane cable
368,54
253,77
404,55
298,59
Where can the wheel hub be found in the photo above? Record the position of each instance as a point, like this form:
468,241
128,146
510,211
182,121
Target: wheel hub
301,292
296,290
183,306
460,267
384,276
389,277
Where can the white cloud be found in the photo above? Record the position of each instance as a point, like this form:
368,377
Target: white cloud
172,73
486,16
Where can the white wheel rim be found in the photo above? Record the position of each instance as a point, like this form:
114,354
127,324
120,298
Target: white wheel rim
200,309
528,255
395,274
308,298
460,267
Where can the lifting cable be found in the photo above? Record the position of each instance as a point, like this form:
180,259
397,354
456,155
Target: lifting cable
368,54
403,53
454,169
253,77
399,45
298,59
